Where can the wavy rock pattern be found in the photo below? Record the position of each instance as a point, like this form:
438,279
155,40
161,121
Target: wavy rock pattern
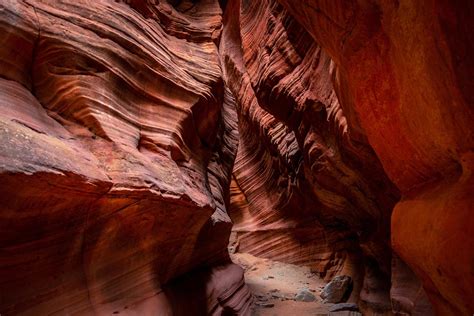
349,123
327,79
404,70
307,187
118,140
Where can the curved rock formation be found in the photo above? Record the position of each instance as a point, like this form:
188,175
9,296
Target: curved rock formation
404,68
307,188
118,140
335,134
400,88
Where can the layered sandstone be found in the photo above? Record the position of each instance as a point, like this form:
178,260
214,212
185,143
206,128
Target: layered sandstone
349,123
392,76
118,139
307,188
404,68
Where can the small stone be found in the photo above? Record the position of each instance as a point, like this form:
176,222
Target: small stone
305,295
262,297
344,307
265,305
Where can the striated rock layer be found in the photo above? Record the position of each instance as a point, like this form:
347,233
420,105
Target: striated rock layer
307,188
404,68
327,89
117,142
349,123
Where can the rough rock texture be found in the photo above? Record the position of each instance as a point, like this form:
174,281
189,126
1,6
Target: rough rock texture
305,295
337,290
117,142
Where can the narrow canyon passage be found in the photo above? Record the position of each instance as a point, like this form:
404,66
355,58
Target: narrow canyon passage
236,157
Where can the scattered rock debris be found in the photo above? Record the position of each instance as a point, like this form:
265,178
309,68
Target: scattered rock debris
286,289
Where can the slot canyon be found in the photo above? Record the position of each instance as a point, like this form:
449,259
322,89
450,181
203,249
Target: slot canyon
236,157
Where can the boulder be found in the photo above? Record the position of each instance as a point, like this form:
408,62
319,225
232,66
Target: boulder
337,290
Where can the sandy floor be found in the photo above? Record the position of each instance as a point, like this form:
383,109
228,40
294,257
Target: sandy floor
275,285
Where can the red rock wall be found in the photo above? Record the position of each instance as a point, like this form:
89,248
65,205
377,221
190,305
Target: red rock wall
406,69
396,80
118,139
307,188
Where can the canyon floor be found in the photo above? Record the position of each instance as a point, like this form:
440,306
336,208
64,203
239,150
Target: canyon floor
276,286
